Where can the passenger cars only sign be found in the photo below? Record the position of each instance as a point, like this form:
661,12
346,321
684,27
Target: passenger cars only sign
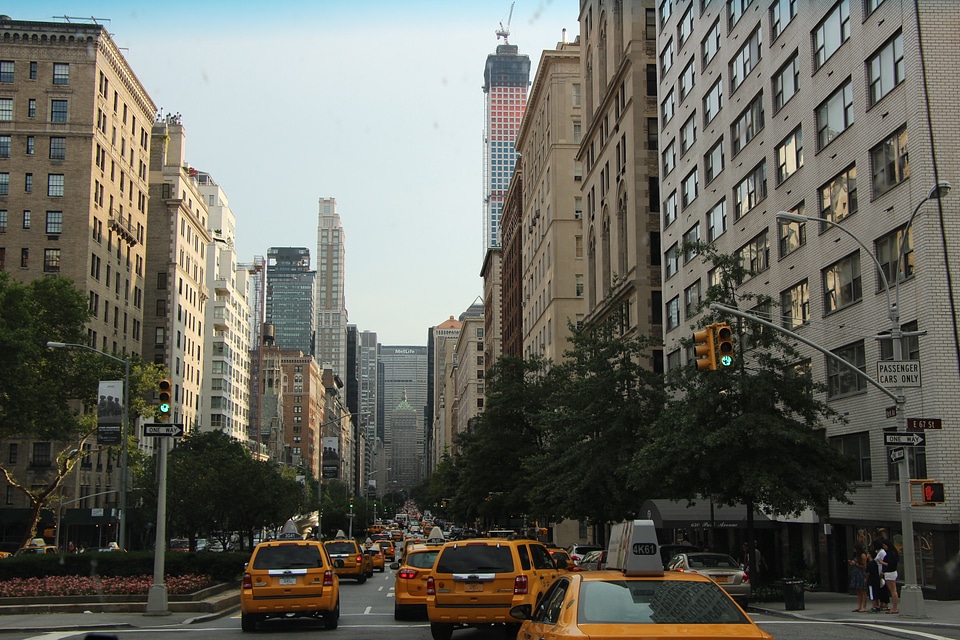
899,373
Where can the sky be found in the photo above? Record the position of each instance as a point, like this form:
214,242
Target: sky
376,103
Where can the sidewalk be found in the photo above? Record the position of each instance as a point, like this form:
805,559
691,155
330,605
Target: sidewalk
838,607
29,617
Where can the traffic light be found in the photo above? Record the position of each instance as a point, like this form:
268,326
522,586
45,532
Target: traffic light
724,346
704,349
351,503
933,492
164,406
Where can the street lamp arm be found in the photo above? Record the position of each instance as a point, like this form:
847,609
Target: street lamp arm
62,345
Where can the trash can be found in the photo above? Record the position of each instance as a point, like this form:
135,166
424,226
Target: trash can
793,595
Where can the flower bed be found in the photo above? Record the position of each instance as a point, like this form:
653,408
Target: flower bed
106,585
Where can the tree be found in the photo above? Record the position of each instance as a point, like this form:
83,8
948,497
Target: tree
49,395
752,434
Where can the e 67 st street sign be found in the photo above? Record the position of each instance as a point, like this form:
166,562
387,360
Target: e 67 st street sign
909,439
154,430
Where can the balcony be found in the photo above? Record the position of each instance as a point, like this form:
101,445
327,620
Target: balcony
123,230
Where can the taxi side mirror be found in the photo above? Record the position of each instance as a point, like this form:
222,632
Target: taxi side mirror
394,565
560,563
522,611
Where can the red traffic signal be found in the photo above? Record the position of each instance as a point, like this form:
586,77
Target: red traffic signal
933,492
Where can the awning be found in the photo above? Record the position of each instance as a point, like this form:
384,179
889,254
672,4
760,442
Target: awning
669,514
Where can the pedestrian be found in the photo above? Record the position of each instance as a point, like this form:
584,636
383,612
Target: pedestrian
872,571
890,562
71,548
858,577
879,553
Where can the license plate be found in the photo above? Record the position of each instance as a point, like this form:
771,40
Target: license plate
473,586
722,578
287,580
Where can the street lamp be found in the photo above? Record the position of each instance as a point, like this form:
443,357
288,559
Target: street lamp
122,528
911,597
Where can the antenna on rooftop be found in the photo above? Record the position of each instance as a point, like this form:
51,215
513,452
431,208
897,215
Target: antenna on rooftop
504,32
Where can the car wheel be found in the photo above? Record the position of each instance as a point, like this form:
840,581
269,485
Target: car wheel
511,630
441,630
248,622
399,613
362,578
332,618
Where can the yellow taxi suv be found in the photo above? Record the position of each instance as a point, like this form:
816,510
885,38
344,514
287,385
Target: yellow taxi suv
635,598
476,583
410,579
289,577
349,560
376,555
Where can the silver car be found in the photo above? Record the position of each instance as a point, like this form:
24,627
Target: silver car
719,567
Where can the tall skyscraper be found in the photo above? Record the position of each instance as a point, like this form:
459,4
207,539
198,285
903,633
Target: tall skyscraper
331,307
441,365
290,298
506,78
225,398
402,378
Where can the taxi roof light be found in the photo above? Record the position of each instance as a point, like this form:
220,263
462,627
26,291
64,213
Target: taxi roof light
634,549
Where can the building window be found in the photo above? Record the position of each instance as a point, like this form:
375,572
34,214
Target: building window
831,33
61,73
755,255
651,25
55,185
841,283
857,446
745,60
3,221
51,260
26,219
41,454
887,250
4,184
6,108
910,345
54,224
781,14
666,10
58,111
688,133
786,83
871,7
671,261
691,300
713,161
578,280
669,158
158,337
891,164
688,78
6,70
711,44
32,108
885,69
652,80
751,191
690,238
25,258
666,59
28,183
685,27
33,70
841,380
668,107
790,155
673,313
835,114
652,134
792,233
838,198
58,148
713,102
748,125
690,189
736,9
670,209
717,221
30,145
795,305
4,146
13,453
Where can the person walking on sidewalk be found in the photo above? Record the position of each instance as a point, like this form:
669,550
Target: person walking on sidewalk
891,559
858,577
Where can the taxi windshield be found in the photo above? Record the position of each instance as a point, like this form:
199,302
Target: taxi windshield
340,547
288,556
656,602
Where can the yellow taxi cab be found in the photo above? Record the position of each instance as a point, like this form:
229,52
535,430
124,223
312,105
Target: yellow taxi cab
289,577
37,546
349,560
476,582
373,550
388,547
410,583
407,543
561,558
635,598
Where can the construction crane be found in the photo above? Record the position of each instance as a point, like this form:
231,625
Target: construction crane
504,32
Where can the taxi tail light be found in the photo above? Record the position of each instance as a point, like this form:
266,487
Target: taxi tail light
247,581
520,586
359,559
407,574
745,577
327,578
431,586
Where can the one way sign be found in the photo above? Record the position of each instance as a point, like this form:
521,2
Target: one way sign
899,438
175,430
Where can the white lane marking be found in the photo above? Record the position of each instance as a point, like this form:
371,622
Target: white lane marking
367,610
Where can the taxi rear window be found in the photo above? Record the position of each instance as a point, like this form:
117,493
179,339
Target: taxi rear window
340,547
422,560
475,558
288,556
656,602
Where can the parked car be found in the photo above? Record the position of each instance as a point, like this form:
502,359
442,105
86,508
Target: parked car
719,567
636,600
289,577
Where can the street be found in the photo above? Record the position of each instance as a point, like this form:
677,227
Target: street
367,612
